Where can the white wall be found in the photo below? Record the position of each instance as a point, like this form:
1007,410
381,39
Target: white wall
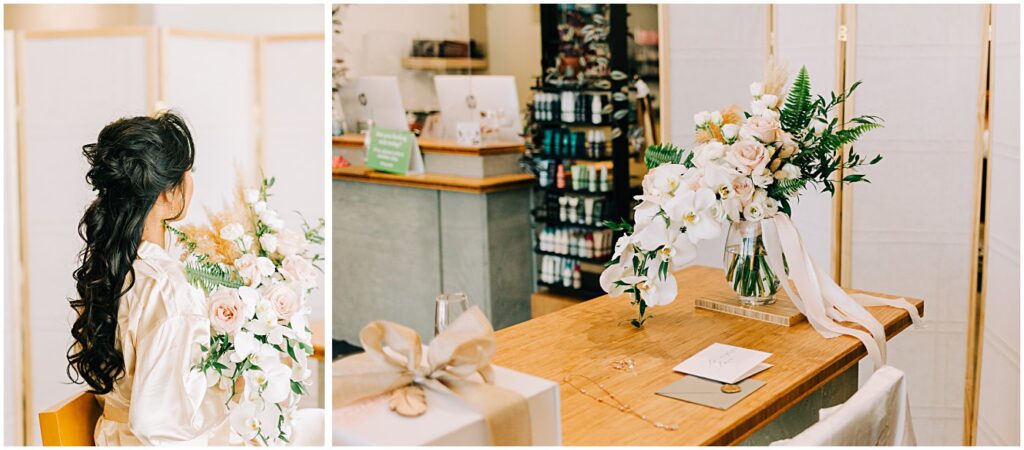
999,404
378,36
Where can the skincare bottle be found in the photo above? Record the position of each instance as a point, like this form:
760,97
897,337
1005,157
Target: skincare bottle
568,102
560,177
604,179
562,212
598,211
573,203
588,207
592,178
595,110
577,280
566,275
599,244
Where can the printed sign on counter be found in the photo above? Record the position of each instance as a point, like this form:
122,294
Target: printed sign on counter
393,151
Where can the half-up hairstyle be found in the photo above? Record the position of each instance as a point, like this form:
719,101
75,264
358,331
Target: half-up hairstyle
133,161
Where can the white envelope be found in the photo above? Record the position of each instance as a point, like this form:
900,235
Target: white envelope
725,363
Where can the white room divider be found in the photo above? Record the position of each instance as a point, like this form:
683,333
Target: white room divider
999,406
912,225
799,45
14,425
59,114
710,68
211,79
294,137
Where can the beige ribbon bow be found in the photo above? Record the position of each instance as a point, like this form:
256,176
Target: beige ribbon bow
394,363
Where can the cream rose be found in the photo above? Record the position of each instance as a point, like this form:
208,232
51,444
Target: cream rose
249,268
291,242
763,129
283,298
748,156
298,269
708,153
225,311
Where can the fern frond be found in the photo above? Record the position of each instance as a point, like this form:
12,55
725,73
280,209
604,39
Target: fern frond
850,135
209,276
796,112
659,154
781,189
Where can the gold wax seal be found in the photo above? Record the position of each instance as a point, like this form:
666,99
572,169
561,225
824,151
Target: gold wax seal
731,388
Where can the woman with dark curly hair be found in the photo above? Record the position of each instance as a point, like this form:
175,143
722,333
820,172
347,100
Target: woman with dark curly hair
139,321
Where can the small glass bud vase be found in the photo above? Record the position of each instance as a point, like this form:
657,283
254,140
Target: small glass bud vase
746,265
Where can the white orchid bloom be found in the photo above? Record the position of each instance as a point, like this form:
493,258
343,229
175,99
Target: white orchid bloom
678,250
654,289
614,273
245,344
244,421
694,210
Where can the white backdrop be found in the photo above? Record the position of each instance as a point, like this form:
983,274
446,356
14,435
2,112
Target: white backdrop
998,419
912,224
60,114
211,81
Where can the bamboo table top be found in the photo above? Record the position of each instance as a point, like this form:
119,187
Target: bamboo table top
586,338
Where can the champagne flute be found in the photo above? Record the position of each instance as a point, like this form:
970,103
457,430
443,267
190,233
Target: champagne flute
448,308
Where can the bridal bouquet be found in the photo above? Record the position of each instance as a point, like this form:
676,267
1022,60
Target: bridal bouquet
256,274
746,168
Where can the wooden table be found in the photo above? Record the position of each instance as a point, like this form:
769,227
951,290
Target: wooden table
586,338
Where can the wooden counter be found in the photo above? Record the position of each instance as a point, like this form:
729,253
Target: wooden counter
435,181
431,145
586,338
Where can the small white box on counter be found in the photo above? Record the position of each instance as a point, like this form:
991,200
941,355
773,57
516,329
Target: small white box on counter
448,421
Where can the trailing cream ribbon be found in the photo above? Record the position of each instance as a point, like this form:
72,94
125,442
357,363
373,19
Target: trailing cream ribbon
819,298
394,363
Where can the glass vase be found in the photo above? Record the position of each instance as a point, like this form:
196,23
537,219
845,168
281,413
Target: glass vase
746,265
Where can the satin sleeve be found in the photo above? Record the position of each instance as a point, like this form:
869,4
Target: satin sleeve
171,402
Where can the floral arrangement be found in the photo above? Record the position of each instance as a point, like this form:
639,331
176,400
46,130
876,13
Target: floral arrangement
256,274
746,168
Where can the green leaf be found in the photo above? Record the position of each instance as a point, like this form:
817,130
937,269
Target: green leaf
659,154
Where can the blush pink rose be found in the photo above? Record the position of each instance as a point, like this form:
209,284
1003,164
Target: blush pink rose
284,299
744,189
748,156
764,129
298,269
225,311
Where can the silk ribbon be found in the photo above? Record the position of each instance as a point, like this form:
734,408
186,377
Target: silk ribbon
819,298
394,360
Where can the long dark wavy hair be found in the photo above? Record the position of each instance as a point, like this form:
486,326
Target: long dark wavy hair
133,161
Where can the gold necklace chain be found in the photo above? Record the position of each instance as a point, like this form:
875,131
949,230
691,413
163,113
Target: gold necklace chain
618,403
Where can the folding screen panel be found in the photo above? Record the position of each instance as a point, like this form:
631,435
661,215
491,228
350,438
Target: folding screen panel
710,68
60,114
999,404
13,425
210,78
292,94
799,45
912,224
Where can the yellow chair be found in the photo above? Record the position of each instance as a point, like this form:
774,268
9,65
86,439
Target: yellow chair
71,422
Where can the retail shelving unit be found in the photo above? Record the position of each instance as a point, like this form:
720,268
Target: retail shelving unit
580,122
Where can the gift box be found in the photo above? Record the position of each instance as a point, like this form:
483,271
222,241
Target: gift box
448,421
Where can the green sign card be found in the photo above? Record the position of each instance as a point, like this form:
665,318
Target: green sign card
390,150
